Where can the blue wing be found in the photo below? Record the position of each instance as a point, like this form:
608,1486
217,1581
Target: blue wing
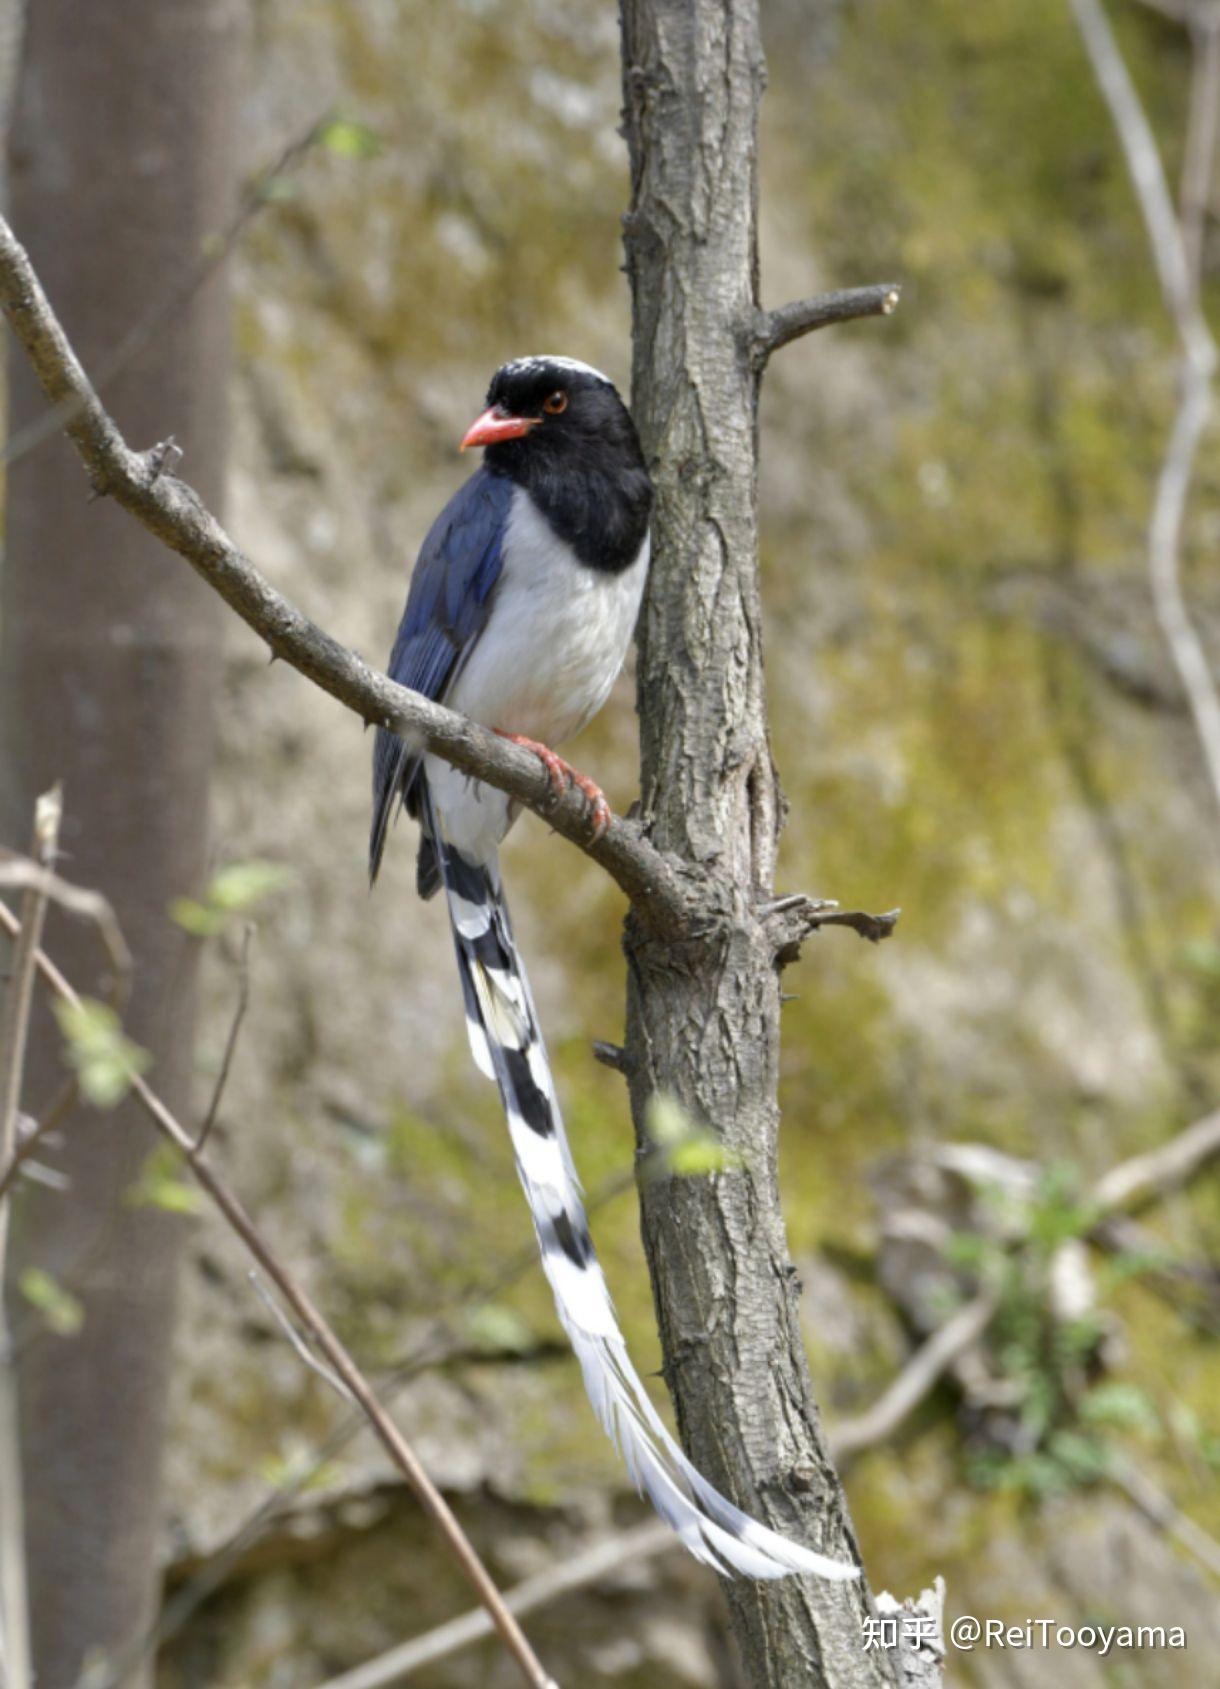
447,609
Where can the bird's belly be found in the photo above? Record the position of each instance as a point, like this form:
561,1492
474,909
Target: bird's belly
553,645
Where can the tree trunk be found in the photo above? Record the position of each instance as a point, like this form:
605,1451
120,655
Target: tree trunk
704,1011
120,166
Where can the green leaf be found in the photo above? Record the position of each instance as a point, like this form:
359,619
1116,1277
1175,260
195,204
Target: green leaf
347,138
234,890
105,1059
1122,1405
1203,955
196,918
1083,1457
161,1186
298,1468
686,1148
61,1310
968,1249
239,886
500,1330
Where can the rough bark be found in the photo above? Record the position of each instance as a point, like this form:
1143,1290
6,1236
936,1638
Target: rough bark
704,1012
120,166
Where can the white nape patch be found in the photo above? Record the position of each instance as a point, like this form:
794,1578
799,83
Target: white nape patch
545,360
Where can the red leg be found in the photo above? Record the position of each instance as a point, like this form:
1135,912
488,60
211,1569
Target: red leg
560,773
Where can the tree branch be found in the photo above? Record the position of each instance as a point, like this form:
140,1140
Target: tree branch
217,251
319,1332
670,896
239,1015
1172,262
632,1548
1144,1178
1200,150
769,330
917,1379
173,511
14,1030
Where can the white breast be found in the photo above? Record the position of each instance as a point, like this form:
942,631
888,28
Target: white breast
556,637
543,666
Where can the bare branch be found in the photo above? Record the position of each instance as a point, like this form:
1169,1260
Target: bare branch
319,1332
917,1379
609,1055
14,1030
1198,364
574,1572
659,886
770,330
216,254
793,918
89,906
1166,1515
28,1141
296,1338
1201,124
173,511
1143,1178
239,1015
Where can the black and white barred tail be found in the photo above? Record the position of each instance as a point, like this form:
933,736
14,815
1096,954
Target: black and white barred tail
507,1046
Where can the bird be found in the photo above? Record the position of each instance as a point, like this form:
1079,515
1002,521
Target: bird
520,611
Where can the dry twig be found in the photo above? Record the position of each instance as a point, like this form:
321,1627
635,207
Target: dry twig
670,896
14,1030
574,1572
1197,351
917,1379
216,253
239,1015
769,330
314,1325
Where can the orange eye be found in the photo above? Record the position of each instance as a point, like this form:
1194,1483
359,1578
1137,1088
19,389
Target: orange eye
556,404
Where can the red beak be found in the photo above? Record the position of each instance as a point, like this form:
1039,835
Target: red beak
495,425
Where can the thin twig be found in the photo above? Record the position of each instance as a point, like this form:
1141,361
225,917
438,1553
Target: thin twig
320,1334
1155,1505
435,1349
174,512
671,897
1197,365
1143,1178
574,1572
89,906
41,1128
14,1031
296,1339
769,330
1200,151
239,1014
917,1379
216,252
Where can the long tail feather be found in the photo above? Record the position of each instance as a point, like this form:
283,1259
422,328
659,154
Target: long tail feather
507,1046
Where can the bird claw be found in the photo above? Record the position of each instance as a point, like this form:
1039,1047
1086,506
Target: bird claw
561,773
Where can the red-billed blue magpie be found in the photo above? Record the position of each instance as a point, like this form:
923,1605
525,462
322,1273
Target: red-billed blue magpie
520,611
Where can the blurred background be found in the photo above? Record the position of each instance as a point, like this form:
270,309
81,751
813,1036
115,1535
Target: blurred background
974,715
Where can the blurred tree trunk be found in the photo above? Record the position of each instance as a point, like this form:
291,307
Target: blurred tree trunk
704,1014
120,164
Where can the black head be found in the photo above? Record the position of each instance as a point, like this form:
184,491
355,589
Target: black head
558,428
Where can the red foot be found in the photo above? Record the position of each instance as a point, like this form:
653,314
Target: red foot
559,773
